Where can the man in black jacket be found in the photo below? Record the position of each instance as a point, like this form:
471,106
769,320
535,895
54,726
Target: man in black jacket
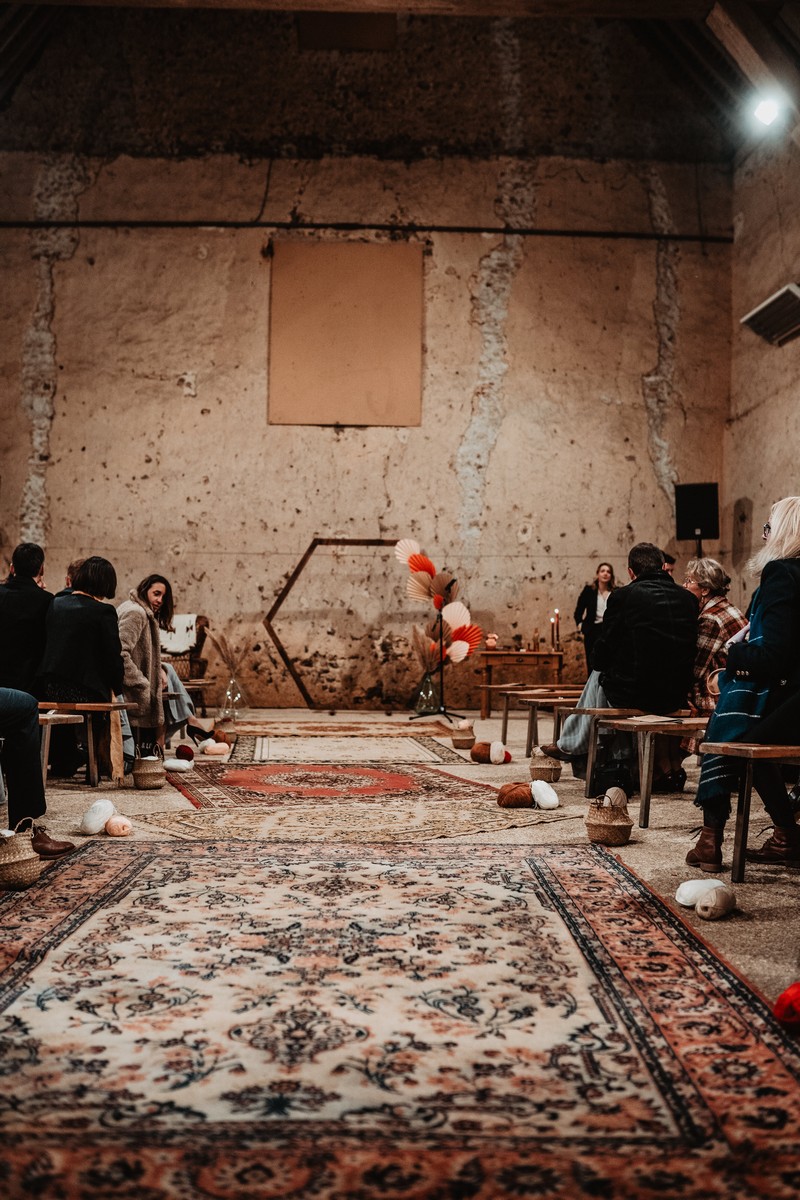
24,605
645,653
19,734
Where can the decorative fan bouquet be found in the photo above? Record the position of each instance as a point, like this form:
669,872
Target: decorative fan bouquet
459,636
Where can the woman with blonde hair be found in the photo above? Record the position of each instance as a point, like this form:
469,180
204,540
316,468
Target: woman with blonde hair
759,698
717,623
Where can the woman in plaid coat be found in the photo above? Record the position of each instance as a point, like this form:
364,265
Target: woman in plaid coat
719,620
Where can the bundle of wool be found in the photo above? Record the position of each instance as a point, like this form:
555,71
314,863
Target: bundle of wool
178,764
186,752
710,898
94,819
490,752
215,748
118,826
515,795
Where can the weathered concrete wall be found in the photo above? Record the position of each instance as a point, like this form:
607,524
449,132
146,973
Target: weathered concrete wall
568,382
763,433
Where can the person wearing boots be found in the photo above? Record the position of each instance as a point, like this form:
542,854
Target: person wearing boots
759,699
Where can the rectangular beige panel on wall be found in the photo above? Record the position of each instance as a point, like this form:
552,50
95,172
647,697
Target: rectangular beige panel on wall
345,342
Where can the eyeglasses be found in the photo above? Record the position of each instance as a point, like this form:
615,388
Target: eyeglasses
767,529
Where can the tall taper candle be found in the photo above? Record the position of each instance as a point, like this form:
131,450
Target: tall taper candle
553,632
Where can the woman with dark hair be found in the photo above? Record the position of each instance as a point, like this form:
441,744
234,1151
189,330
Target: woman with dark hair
83,657
149,609
591,607
759,699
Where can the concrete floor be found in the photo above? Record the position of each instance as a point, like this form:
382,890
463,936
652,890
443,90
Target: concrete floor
761,939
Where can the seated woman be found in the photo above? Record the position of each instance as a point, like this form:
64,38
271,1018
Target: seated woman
717,622
150,608
759,699
83,657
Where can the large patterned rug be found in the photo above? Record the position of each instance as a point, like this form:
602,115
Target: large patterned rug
403,1023
419,749
402,727
326,802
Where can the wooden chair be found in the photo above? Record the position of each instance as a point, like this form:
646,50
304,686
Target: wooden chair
748,753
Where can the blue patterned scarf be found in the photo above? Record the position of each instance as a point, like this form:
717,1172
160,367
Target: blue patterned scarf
741,704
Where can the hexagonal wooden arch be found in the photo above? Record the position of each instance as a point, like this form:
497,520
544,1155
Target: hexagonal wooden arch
286,589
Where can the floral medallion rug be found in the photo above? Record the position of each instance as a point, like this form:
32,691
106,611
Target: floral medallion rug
327,802
398,1022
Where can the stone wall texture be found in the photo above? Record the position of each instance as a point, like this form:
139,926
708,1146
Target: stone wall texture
576,342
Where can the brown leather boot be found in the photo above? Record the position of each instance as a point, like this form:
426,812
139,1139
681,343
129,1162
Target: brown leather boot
782,848
47,847
707,854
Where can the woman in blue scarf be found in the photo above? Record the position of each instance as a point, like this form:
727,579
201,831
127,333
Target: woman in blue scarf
759,699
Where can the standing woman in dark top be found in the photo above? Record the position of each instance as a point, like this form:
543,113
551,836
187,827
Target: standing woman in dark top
591,607
83,657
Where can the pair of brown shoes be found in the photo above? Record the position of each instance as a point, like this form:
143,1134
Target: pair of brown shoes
553,751
47,847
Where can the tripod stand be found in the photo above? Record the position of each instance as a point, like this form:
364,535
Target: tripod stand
441,710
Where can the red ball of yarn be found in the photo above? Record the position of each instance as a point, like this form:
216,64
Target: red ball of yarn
787,1007
184,752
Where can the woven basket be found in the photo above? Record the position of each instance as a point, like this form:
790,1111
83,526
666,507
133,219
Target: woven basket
608,822
544,767
149,773
463,740
20,865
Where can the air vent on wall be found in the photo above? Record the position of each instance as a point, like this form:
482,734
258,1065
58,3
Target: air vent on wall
777,319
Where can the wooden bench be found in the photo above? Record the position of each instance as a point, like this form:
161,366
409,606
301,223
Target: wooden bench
606,716
536,702
647,729
518,691
748,753
85,710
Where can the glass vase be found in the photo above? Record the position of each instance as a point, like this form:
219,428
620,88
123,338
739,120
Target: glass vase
232,701
428,695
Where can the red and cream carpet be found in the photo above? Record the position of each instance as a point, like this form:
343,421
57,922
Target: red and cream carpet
330,801
251,1022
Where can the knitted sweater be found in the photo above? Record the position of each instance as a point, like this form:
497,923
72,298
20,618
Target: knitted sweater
141,655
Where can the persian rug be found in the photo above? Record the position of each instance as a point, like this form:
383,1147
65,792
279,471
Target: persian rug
419,749
403,727
409,1022
318,802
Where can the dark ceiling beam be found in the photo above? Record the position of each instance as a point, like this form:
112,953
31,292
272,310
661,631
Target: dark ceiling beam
661,10
753,47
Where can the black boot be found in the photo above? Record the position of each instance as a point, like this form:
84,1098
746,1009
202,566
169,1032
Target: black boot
707,854
782,849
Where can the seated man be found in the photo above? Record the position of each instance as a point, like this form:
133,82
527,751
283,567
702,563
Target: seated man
644,656
24,605
19,730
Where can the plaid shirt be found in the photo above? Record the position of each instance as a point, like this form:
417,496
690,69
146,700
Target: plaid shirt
718,622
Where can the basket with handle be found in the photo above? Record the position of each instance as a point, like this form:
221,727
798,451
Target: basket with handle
608,822
544,767
148,770
20,865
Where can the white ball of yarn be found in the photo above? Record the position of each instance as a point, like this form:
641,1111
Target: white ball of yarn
716,903
94,819
690,892
544,796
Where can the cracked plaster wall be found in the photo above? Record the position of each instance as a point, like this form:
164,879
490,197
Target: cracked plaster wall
534,458
762,433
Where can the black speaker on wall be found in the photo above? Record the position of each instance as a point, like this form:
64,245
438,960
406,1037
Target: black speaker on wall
696,513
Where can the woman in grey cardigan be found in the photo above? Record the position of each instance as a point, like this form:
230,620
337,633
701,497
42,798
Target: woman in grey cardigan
149,607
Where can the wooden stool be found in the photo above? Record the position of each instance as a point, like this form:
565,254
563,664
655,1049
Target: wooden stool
749,753
535,701
606,716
